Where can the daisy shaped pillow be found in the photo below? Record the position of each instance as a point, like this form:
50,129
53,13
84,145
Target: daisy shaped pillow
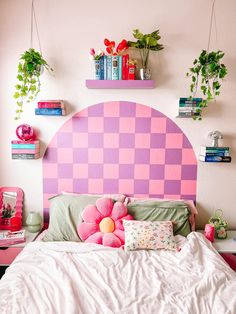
103,223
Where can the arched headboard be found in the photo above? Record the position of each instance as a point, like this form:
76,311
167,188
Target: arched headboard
120,147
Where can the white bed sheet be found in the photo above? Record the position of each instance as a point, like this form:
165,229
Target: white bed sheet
69,278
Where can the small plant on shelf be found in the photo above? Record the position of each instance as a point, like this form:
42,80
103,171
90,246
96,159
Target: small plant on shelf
145,43
30,68
207,74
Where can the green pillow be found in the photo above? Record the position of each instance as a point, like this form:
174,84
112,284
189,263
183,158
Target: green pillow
152,210
65,215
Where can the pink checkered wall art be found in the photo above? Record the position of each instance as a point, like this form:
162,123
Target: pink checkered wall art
120,147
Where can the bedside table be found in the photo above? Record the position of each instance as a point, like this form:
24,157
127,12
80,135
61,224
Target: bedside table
9,253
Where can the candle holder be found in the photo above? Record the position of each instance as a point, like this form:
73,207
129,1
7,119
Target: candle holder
34,222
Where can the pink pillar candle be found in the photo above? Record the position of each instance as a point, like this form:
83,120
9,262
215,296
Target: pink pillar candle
209,232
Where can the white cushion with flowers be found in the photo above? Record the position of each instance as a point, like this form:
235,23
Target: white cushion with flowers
151,235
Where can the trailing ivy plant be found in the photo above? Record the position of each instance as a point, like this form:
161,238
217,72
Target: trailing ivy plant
207,74
30,68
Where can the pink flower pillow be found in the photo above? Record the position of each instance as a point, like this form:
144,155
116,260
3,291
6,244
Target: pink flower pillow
103,223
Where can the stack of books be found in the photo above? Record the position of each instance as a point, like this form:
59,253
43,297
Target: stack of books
25,150
50,108
11,237
113,68
189,107
214,154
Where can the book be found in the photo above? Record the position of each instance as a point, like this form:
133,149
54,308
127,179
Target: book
25,151
215,158
226,153
51,105
12,237
101,68
50,111
36,142
187,102
105,67
47,101
125,59
115,71
97,69
109,67
119,58
25,156
213,149
25,146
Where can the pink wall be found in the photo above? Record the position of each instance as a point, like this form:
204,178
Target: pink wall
183,26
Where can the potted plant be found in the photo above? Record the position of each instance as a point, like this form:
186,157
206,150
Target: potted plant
145,43
207,74
30,68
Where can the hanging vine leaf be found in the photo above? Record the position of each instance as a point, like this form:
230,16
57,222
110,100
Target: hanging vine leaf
30,68
209,71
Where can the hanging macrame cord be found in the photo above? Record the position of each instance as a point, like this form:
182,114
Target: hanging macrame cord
213,17
34,20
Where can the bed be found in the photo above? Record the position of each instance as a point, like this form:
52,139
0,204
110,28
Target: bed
135,156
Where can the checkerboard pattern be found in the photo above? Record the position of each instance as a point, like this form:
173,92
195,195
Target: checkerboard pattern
120,147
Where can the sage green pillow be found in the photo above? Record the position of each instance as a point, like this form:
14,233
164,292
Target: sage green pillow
152,210
65,214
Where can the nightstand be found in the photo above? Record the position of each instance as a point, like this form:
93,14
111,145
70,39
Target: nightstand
9,253
227,248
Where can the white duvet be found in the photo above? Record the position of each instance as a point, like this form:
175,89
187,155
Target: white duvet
69,278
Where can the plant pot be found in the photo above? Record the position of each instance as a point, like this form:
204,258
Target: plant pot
145,74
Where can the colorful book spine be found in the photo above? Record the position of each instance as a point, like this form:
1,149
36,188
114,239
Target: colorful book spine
97,69
25,151
101,68
51,105
36,142
115,71
109,67
125,59
209,149
215,158
25,146
119,58
50,111
105,67
25,156
226,153
186,102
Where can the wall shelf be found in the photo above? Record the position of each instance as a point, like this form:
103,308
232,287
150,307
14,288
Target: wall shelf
120,84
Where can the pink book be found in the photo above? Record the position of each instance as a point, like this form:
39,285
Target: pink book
9,237
51,105
25,151
25,142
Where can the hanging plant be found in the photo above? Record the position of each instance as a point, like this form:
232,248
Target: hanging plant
207,74
30,68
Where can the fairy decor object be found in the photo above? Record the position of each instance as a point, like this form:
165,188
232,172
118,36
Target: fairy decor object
220,224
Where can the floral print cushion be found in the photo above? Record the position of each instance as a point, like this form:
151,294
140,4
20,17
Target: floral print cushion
151,235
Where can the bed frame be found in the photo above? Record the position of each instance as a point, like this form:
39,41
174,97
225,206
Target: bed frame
120,147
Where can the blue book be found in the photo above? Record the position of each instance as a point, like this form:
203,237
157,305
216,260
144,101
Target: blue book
216,154
101,68
24,146
109,67
215,158
50,111
115,71
119,67
97,69
105,67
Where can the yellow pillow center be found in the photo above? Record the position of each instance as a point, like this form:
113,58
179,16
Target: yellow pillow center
107,225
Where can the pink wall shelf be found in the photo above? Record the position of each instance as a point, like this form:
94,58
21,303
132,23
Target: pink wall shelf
122,84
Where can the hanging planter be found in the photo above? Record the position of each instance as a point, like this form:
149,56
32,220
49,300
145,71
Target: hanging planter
30,68
207,74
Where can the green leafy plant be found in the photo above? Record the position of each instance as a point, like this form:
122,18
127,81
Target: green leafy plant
207,74
30,68
145,43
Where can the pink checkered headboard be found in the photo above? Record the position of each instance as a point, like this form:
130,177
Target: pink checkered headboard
120,147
